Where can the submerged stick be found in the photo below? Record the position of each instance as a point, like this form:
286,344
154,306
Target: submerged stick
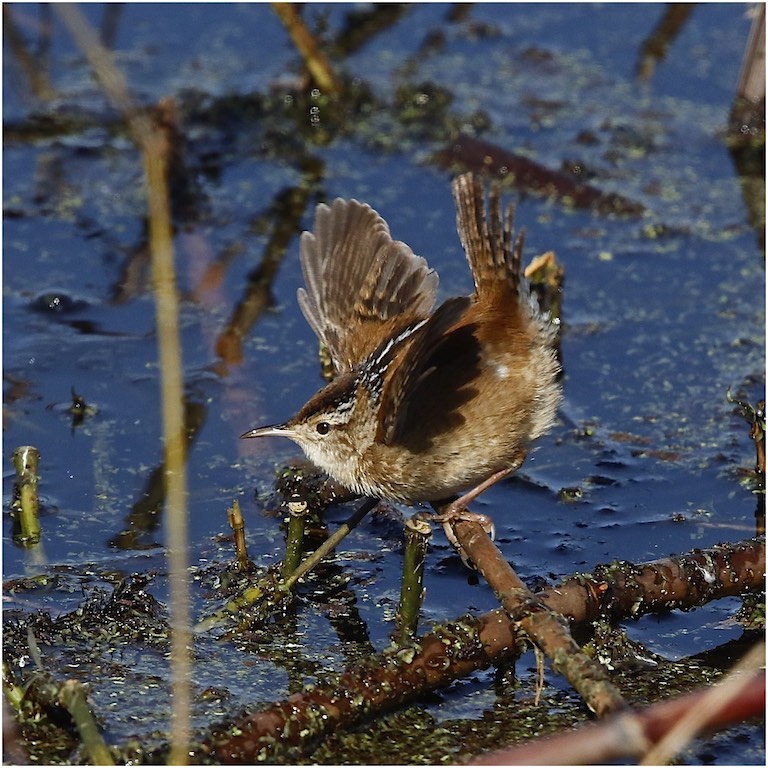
472,154
316,61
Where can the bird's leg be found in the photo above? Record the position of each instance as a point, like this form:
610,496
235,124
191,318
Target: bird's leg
457,509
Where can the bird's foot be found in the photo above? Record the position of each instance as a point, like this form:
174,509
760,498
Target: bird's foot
452,514
457,510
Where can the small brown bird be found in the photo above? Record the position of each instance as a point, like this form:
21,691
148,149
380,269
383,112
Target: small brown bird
424,405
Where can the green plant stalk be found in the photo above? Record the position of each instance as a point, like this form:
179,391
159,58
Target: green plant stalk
294,542
72,698
266,590
13,692
417,534
25,461
329,544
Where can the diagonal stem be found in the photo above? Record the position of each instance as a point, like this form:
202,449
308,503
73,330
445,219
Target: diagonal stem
329,544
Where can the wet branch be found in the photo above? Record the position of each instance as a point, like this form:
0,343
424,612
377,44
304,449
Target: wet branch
621,590
624,590
628,736
546,628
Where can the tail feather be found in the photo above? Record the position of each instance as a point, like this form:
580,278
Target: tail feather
493,252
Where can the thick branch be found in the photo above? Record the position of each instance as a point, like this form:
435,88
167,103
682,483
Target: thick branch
624,590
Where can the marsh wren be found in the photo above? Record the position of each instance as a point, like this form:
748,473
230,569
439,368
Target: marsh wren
425,405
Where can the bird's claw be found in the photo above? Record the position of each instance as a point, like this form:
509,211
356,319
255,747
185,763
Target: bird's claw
449,516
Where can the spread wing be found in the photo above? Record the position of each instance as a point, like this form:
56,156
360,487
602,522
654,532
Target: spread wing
362,287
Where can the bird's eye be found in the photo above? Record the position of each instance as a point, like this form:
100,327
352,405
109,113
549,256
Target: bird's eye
323,427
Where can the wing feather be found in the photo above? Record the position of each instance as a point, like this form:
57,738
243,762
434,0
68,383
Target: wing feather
361,286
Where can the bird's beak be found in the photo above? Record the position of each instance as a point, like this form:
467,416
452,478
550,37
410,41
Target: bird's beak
278,430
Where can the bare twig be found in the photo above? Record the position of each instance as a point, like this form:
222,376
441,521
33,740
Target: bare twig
544,627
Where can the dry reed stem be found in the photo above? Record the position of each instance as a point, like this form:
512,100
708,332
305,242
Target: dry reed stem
715,700
316,61
152,143
752,76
